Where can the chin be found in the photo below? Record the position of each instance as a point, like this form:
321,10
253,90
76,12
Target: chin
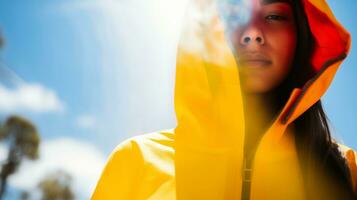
256,88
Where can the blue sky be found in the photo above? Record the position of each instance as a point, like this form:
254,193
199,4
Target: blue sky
95,71
88,57
340,99
107,68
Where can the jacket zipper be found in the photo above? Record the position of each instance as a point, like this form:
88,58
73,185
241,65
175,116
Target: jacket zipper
247,171
246,178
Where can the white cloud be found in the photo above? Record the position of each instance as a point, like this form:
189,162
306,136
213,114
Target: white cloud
86,121
29,97
83,161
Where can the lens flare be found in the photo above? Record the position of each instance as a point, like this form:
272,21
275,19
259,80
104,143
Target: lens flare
234,13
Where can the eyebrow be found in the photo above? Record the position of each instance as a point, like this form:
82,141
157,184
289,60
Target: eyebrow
264,2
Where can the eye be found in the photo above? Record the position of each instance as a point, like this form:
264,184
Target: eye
275,17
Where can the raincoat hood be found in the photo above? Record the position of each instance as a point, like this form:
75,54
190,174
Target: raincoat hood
203,157
209,137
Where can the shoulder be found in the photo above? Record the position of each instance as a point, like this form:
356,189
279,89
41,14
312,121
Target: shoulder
348,153
137,167
152,151
149,143
351,158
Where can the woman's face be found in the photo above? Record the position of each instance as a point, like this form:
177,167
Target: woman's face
265,45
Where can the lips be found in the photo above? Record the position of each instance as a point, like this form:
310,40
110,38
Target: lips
254,60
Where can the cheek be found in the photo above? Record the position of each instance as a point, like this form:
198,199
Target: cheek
234,39
283,46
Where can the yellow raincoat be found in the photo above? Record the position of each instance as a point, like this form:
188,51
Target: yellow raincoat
202,158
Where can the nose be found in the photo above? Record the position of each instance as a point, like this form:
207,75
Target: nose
251,35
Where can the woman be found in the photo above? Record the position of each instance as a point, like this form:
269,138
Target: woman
249,79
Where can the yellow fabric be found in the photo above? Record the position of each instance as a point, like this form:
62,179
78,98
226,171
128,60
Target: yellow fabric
202,157
351,157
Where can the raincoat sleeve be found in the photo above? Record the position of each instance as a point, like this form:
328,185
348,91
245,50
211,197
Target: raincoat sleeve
120,178
351,157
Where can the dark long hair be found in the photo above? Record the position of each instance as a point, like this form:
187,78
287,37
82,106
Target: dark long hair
314,143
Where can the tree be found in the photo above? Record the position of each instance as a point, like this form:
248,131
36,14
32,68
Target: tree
56,186
23,141
25,195
2,41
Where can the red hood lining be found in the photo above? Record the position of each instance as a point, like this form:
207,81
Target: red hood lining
330,47
328,36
